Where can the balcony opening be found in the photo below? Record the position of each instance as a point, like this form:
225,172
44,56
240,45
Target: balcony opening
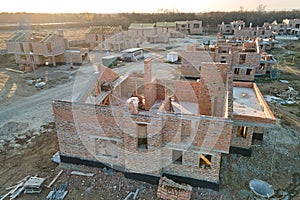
177,157
49,47
237,71
242,131
22,47
242,58
205,161
248,71
223,59
142,137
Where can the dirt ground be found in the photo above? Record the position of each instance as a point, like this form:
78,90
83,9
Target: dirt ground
28,139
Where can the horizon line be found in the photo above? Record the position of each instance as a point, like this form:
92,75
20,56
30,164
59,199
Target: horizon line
133,12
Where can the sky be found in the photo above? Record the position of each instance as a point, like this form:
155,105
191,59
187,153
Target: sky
139,6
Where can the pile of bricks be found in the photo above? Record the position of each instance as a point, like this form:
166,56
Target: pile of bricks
170,190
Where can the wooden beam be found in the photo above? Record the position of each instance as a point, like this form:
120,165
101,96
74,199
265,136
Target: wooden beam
205,159
56,177
91,85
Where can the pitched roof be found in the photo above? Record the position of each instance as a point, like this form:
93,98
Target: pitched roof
26,36
166,24
141,26
106,30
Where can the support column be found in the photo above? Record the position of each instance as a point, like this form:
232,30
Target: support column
54,62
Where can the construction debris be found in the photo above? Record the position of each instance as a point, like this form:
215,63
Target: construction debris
170,190
40,84
16,190
26,185
34,185
286,97
284,81
128,195
82,174
58,193
290,94
55,178
136,193
14,70
56,158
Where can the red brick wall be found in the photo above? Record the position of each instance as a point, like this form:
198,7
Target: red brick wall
239,141
214,89
83,129
13,47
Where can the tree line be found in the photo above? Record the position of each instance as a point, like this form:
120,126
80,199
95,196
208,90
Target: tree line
209,19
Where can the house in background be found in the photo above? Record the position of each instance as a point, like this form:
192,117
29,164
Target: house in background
228,29
36,48
287,27
193,27
96,35
149,32
43,48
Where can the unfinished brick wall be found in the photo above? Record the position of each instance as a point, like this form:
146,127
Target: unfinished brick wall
13,47
70,57
150,88
240,141
57,44
89,132
169,190
132,86
206,133
190,166
252,61
243,73
186,91
213,79
191,62
188,70
243,33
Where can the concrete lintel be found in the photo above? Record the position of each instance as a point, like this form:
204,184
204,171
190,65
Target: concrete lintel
192,116
106,138
192,148
259,124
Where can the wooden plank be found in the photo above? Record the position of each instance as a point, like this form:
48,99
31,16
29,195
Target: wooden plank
136,193
55,178
14,70
89,87
128,196
101,96
205,159
82,173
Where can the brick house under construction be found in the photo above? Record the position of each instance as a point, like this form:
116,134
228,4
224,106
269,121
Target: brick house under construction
96,35
43,48
38,48
245,57
148,127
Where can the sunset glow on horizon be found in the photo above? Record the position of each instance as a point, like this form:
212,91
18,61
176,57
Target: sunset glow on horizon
118,6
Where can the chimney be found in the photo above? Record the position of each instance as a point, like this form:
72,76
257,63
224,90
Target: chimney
147,70
149,86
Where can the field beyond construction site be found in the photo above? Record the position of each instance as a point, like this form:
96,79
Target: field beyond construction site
28,137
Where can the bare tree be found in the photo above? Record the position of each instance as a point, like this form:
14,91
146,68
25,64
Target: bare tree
261,8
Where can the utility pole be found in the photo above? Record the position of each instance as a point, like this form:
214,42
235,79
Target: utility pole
33,67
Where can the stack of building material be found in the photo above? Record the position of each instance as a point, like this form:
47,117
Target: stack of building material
170,190
34,185
58,193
